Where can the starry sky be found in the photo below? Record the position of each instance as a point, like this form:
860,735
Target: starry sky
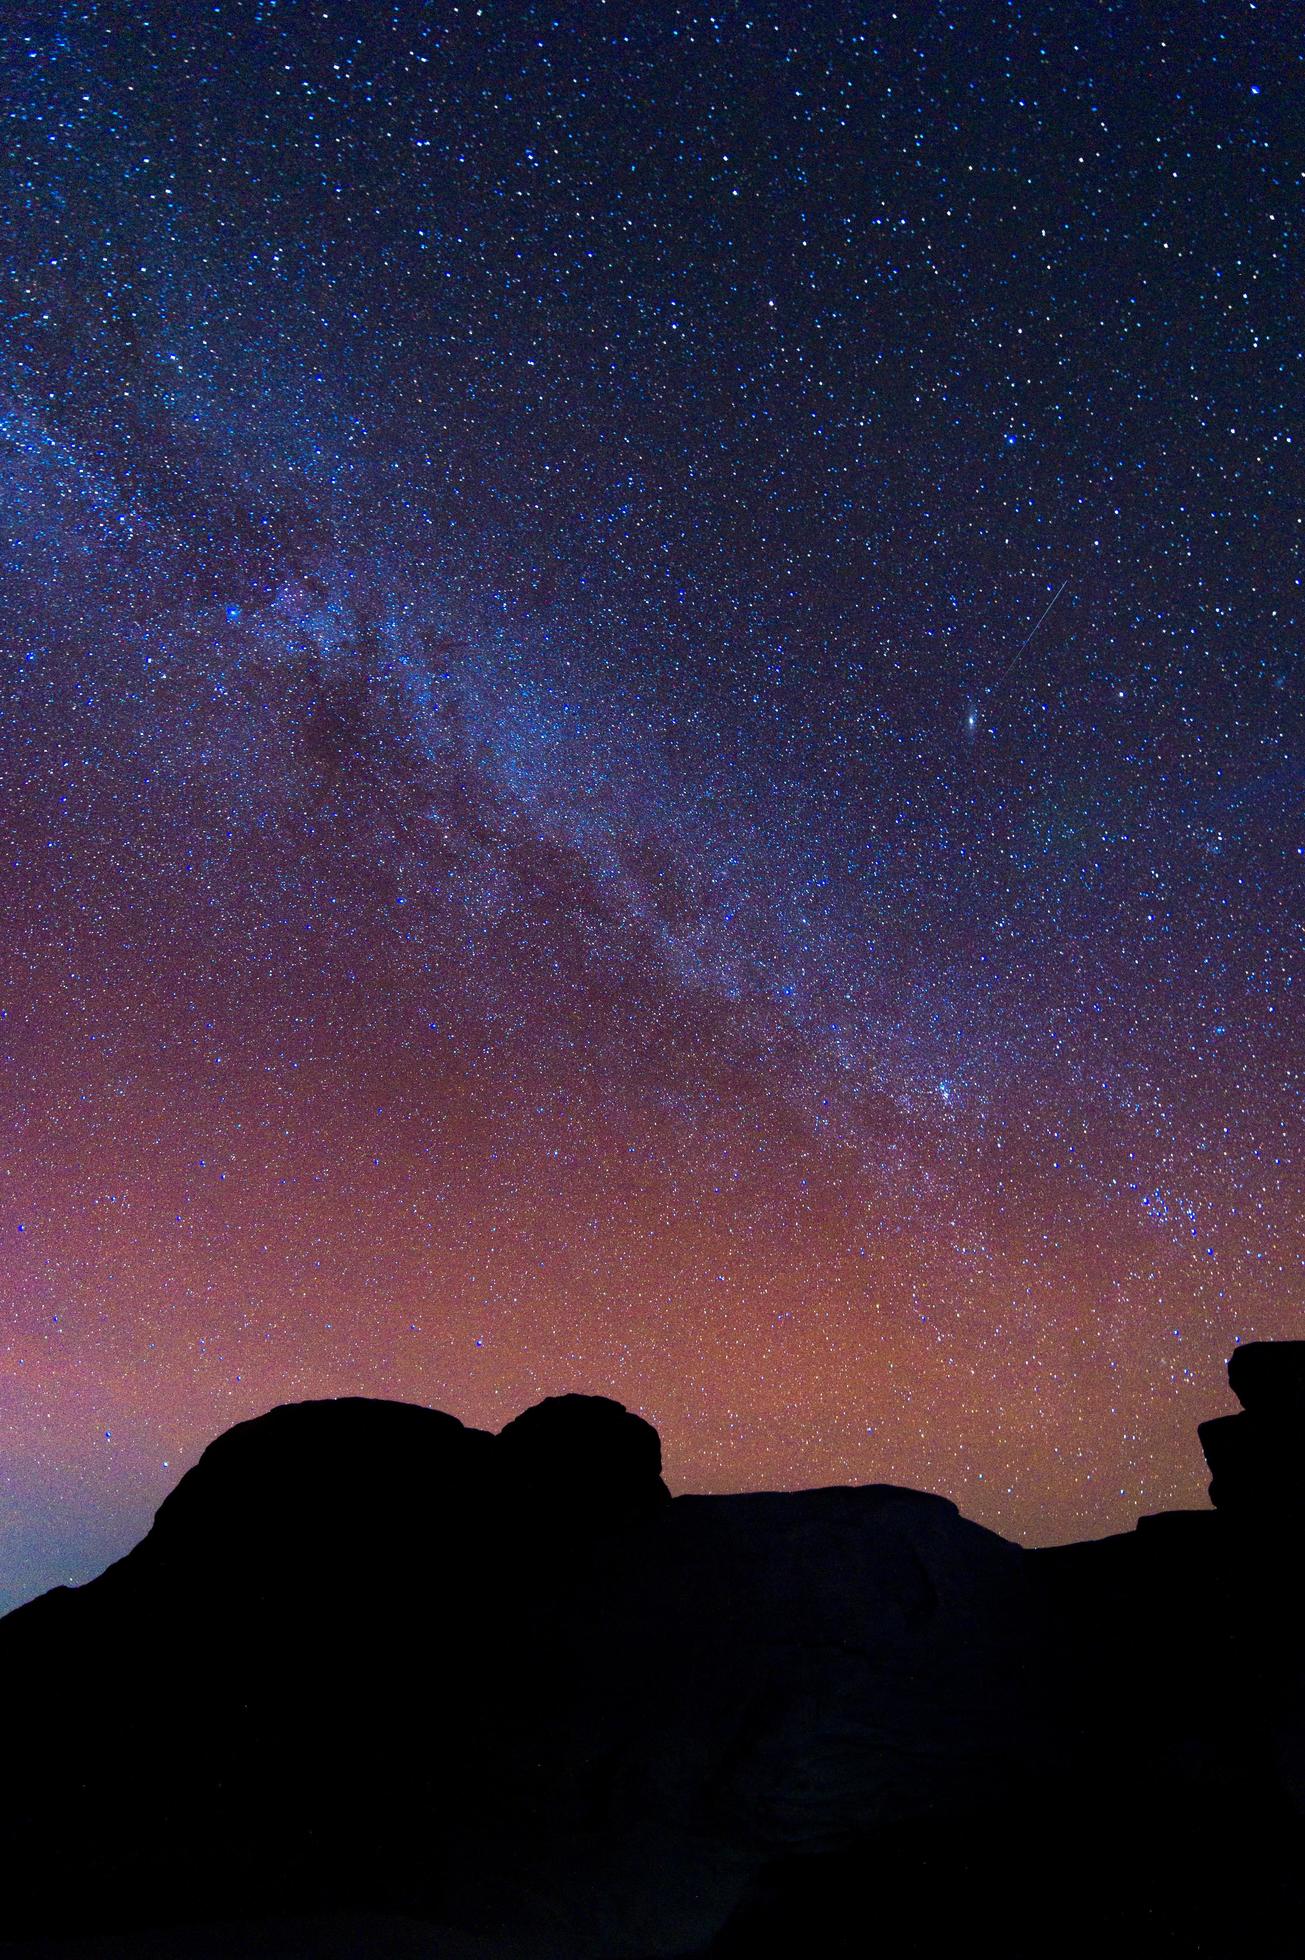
649,735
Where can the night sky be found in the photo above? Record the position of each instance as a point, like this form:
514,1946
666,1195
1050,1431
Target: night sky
650,736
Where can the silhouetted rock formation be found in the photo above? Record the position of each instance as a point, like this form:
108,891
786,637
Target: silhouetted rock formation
1269,1377
376,1682
1255,1458
583,1461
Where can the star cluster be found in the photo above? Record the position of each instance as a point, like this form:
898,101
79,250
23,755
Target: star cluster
650,735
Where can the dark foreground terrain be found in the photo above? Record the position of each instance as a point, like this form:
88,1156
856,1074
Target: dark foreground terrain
376,1684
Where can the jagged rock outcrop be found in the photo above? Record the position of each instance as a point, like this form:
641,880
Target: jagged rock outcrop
1255,1458
1182,1648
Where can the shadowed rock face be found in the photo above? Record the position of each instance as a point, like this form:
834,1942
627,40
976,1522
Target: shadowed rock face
386,1683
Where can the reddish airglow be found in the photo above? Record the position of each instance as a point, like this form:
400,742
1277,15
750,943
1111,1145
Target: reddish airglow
204,1238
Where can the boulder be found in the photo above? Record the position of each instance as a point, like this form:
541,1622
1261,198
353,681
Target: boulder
582,1462
323,1485
1268,1378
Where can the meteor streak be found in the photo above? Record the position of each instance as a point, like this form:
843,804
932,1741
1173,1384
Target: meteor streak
1014,660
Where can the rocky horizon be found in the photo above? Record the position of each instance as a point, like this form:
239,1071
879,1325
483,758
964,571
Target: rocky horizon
379,1682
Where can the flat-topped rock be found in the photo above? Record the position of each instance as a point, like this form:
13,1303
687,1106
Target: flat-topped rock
1256,1464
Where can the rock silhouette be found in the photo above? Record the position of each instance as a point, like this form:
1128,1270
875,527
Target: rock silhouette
377,1683
1254,1457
